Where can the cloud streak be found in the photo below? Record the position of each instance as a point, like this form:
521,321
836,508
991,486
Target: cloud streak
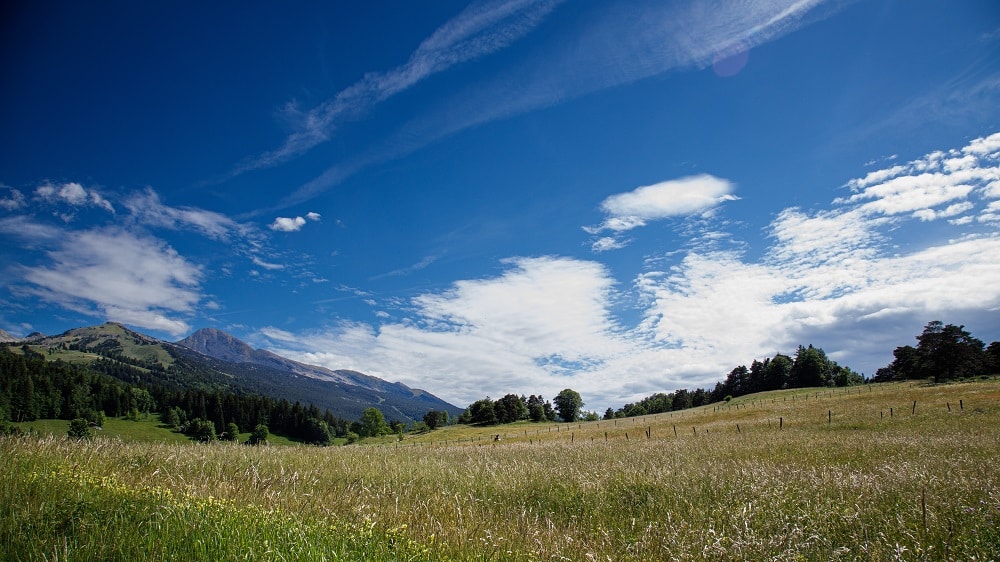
480,29
658,37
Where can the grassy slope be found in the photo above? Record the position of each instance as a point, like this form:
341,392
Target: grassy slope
148,430
841,479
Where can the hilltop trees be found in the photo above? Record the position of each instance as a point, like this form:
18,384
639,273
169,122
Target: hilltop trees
568,403
943,352
509,409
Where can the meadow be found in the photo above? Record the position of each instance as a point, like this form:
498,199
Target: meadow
880,472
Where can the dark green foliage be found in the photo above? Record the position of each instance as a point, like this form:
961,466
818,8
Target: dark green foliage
201,430
317,432
943,352
536,408
259,435
373,423
435,419
511,408
32,388
232,432
480,412
568,403
79,428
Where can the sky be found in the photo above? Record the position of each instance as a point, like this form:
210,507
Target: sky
492,197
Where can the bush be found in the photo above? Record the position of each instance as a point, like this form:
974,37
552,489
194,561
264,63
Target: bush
79,429
259,435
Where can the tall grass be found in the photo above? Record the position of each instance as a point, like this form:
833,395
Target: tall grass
839,480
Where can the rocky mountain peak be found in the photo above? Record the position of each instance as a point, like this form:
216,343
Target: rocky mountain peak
220,345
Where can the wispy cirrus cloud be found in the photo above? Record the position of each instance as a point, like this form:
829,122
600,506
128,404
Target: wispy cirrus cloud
482,28
14,200
147,208
661,36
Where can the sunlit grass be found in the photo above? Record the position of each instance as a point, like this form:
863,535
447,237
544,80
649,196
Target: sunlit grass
840,479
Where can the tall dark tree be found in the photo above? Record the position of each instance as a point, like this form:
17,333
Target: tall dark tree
568,404
993,358
510,408
948,352
536,408
482,412
435,419
811,368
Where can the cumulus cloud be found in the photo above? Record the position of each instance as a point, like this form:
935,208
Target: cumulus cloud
287,224
121,276
123,272
834,277
292,224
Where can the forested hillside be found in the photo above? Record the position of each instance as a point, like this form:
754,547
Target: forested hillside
33,388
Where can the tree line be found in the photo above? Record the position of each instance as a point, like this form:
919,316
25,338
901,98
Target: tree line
943,352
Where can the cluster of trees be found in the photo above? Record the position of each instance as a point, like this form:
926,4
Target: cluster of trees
810,367
943,352
512,408
32,388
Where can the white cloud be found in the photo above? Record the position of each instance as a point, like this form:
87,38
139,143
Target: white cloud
266,265
14,201
28,230
287,224
605,243
673,198
121,276
662,36
837,278
73,194
482,28
293,224
147,208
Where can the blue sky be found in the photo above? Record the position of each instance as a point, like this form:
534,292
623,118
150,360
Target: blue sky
506,196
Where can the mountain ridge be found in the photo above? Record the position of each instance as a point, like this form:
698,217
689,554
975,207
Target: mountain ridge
214,358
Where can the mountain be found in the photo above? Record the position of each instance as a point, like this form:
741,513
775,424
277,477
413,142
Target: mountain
220,345
5,337
213,359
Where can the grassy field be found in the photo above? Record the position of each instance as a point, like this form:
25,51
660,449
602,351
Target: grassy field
890,472
146,430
